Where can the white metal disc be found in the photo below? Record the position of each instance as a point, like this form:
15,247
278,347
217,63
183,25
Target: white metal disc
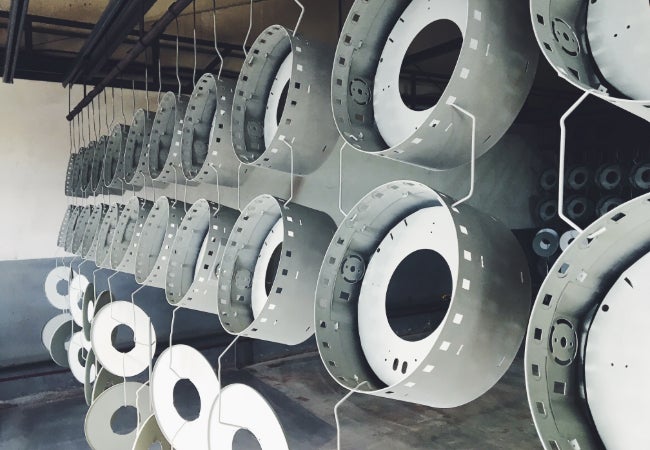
396,121
77,345
258,287
619,33
273,103
174,364
429,228
242,407
617,362
51,326
110,317
567,239
60,274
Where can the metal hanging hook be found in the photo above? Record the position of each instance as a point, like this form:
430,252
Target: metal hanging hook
302,13
336,413
250,27
473,160
214,29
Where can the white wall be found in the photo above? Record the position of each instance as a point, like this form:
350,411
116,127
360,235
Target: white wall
34,150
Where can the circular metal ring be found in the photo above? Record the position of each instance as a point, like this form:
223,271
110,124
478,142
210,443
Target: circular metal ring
77,356
80,228
579,209
52,326
197,249
127,234
65,223
58,275
546,210
78,287
150,434
489,281
227,417
181,362
640,176
70,174
90,237
546,242
164,149
567,239
103,381
134,156
562,31
86,168
73,222
97,165
607,204
578,178
91,306
98,423
91,370
285,316
609,176
134,361
105,236
549,179
497,48
59,338
293,134
564,308
153,249
113,175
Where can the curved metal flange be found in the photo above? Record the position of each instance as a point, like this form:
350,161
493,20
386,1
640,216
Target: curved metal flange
484,324
65,223
60,274
91,306
150,434
51,326
195,256
73,223
153,249
135,151
89,242
562,316
105,236
498,50
80,228
561,28
163,162
70,182
263,131
77,169
127,234
86,168
60,336
113,175
248,275
98,423
103,381
77,355
98,157
90,375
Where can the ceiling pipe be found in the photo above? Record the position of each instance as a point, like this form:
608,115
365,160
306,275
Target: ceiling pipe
156,30
17,13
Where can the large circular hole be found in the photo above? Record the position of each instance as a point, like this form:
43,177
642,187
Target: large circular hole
62,287
187,400
419,292
612,177
123,338
272,268
434,50
124,420
645,175
245,440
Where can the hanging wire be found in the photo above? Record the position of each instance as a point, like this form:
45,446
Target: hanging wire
214,29
302,13
159,80
250,27
194,35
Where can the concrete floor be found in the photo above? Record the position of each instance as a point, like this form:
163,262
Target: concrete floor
304,396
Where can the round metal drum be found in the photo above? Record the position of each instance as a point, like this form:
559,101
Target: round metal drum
195,255
75,178
114,157
91,233
153,249
65,223
97,166
72,224
70,176
135,154
105,236
496,66
598,47
127,234
57,284
281,102
586,365
86,168
80,228
457,275
164,149
269,269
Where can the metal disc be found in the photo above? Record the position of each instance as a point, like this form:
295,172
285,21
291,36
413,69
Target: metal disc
164,148
127,234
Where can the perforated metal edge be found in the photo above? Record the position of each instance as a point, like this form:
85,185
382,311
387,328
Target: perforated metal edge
97,165
69,189
182,287
72,224
104,298
139,134
580,69
105,236
486,318
287,316
89,242
171,108
498,49
151,252
113,176
80,228
306,123
576,285
122,252
65,223
86,168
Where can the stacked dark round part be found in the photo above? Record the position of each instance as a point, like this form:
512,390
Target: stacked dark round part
496,66
127,234
562,31
640,177
597,276
282,102
105,236
196,251
486,311
154,248
90,238
266,283
114,157
135,152
609,177
207,139
164,149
